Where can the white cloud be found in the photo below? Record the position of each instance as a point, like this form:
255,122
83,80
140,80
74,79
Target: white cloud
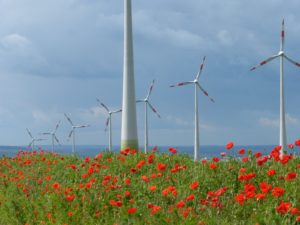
225,38
40,116
274,122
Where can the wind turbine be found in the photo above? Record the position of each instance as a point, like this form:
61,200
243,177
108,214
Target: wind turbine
197,85
129,136
281,55
108,122
54,138
148,104
72,132
33,140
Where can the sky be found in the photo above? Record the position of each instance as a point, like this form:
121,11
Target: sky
57,57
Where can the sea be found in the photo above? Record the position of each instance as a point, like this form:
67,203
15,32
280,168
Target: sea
206,151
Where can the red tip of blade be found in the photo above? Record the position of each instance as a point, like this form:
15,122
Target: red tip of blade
206,93
263,63
253,68
282,34
180,84
201,66
298,64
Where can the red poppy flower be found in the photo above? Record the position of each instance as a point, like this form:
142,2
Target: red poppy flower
155,209
194,185
265,187
180,204
291,176
173,150
297,142
277,191
152,188
291,146
160,166
70,198
213,166
260,196
294,211
190,197
240,198
215,159
271,172
229,145
131,210
245,159
283,207
242,151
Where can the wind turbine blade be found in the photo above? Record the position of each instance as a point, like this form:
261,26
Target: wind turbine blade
153,109
47,133
56,139
106,123
57,125
30,143
70,134
182,84
282,36
40,139
150,89
201,68
70,121
264,62
137,101
205,92
83,126
29,133
103,105
117,111
291,60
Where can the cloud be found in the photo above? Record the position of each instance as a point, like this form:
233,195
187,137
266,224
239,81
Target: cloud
19,54
274,122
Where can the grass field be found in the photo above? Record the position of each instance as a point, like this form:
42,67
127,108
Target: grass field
136,188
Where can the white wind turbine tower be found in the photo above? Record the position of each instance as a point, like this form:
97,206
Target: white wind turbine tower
148,104
197,85
72,132
53,135
109,121
129,136
281,55
33,140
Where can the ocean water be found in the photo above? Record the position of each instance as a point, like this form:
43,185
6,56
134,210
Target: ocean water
206,151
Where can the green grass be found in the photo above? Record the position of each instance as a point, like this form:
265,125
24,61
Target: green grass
43,188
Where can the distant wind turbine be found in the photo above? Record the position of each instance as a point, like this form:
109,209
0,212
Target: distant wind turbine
281,55
197,85
53,135
109,121
72,132
148,104
33,140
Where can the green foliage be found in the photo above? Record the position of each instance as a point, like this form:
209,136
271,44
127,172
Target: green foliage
137,188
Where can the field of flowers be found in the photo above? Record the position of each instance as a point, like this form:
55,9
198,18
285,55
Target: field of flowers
136,188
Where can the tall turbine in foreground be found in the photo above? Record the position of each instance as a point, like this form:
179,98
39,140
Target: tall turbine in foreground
281,54
147,103
53,135
108,122
72,132
129,136
197,85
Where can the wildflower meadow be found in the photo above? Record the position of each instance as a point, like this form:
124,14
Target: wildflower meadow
132,187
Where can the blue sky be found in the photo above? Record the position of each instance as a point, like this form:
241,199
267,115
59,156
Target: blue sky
59,56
